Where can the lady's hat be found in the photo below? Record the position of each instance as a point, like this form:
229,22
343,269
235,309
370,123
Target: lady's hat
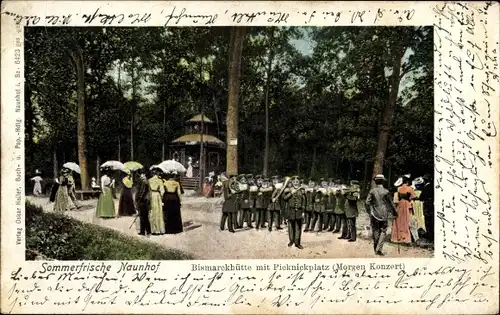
379,177
399,182
418,181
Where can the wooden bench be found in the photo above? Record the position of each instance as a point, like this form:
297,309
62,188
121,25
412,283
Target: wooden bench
88,193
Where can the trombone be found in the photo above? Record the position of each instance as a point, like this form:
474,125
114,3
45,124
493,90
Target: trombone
279,189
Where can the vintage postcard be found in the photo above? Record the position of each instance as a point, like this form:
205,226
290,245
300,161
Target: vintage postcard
250,157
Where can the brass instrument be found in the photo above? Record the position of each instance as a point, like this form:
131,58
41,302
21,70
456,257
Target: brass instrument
234,186
323,190
279,189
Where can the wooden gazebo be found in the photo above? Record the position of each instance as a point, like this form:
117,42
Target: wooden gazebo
188,145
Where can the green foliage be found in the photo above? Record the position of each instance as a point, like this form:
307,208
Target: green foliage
59,237
329,101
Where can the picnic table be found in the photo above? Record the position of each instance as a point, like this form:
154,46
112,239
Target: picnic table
87,193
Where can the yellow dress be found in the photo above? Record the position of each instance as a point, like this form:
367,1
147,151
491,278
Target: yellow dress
418,210
156,208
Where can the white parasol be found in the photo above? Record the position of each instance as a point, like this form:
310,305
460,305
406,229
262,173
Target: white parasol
72,166
161,168
172,165
114,165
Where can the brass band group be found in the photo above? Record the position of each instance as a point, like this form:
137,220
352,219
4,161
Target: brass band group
314,207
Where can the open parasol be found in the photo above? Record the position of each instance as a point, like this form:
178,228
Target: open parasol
133,165
172,165
114,165
72,166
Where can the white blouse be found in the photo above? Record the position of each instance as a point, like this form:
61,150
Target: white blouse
105,181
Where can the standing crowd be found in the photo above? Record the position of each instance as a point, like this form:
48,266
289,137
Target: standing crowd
157,200
323,206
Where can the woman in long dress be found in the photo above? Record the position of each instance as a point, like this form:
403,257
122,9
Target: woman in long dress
126,205
37,188
401,225
157,190
418,209
61,201
172,205
105,204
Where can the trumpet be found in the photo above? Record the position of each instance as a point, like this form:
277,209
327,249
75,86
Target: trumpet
351,190
323,190
279,190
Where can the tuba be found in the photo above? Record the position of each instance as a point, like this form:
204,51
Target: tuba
280,189
234,186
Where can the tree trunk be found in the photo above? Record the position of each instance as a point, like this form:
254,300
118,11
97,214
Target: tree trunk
82,147
387,117
132,112
98,169
164,134
237,40
268,83
55,164
28,118
202,131
313,164
119,120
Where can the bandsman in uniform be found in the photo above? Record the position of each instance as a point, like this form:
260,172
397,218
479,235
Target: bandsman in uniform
295,197
330,206
241,179
284,208
252,195
246,205
340,218
275,205
262,201
351,211
229,207
309,206
320,201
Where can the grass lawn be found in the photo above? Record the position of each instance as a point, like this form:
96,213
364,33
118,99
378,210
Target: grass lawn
55,236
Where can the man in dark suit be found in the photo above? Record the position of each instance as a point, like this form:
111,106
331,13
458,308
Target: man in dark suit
296,198
246,206
142,203
427,196
380,205
229,207
351,211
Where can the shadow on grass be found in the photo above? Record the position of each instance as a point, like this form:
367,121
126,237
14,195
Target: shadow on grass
56,236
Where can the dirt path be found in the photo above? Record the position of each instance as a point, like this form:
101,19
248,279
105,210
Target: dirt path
203,238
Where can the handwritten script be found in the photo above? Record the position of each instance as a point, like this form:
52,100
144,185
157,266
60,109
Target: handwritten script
464,271
276,286
466,82
179,15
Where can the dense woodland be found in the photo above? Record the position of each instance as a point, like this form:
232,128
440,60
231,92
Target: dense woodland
360,102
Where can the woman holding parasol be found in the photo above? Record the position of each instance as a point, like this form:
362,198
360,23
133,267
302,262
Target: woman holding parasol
157,190
105,204
126,204
172,204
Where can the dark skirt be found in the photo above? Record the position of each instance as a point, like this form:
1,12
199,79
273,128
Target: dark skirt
126,206
53,192
172,213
